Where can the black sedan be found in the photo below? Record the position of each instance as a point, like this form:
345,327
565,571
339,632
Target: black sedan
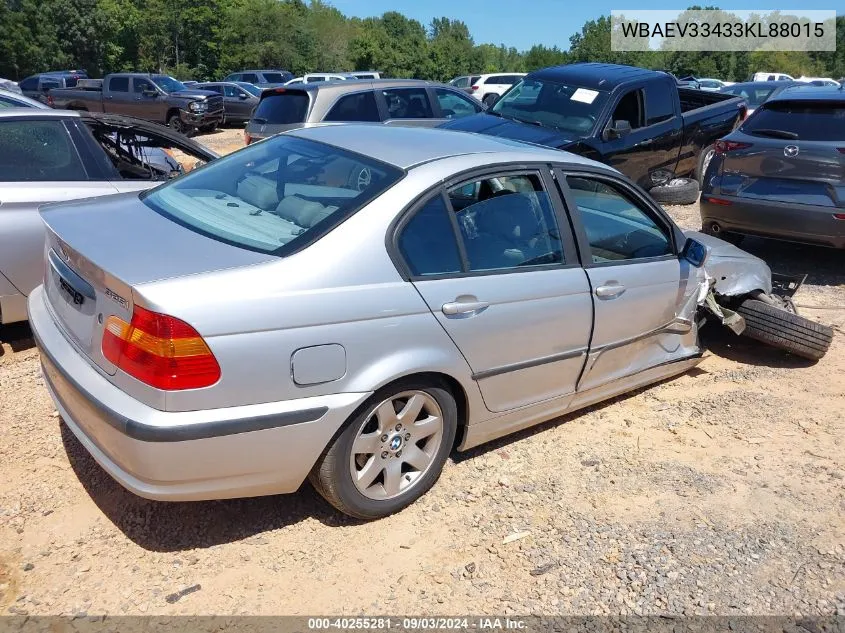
239,98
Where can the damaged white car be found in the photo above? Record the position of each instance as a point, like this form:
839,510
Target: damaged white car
349,303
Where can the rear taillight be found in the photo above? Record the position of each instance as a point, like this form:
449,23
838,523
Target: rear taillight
839,216
49,101
723,147
473,88
247,138
719,201
160,350
841,150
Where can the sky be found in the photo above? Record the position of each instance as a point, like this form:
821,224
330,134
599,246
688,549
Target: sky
523,23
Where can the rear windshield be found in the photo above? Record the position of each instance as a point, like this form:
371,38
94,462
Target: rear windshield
290,106
804,121
276,196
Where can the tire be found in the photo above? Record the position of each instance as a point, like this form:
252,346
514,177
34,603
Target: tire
785,330
208,129
175,122
333,475
488,100
703,163
676,191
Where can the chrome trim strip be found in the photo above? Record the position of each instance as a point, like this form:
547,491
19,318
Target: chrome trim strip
527,364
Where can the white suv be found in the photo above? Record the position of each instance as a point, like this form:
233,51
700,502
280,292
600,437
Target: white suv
487,88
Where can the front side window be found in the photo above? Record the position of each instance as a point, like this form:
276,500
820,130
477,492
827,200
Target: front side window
454,105
229,91
38,151
617,228
139,85
506,222
274,196
407,103
427,242
630,109
250,88
355,107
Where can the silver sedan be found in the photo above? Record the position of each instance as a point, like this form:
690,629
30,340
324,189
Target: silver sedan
350,303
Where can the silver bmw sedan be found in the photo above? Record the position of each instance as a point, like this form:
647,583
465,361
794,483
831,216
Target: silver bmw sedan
349,303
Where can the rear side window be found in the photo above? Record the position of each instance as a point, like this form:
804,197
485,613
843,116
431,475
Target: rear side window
283,107
250,78
275,196
70,82
355,107
49,84
798,121
119,84
428,243
495,79
233,77
274,78
659,103
407,103
38,151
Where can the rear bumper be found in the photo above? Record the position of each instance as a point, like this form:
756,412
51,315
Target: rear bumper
183,456
782,220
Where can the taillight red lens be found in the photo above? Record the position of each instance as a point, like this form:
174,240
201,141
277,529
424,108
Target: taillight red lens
719,201
841,150
723,146
839,216
160,350
247,138
474,88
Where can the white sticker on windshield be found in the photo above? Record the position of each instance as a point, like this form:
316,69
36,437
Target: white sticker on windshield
584,95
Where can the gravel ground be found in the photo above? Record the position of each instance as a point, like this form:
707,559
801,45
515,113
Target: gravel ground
718,492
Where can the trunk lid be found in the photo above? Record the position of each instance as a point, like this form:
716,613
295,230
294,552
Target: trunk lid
99,250
793,152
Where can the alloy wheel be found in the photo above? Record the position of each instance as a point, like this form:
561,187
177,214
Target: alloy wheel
396,445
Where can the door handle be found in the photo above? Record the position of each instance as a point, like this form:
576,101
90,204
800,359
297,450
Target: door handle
464,305
644,143
612,290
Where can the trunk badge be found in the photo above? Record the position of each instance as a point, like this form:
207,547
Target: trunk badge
790,151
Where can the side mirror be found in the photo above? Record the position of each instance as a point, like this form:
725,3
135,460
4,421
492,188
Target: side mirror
242,96
618,129
150,92
695,252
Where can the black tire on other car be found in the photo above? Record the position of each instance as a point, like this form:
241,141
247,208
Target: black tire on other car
706,156
676,191
785,330
332,475
174,122
208,129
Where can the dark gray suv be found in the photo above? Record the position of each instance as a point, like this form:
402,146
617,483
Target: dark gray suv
782,173
407,102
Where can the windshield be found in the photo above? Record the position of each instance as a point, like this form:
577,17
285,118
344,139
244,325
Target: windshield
251,89
168,84
275,196
563,107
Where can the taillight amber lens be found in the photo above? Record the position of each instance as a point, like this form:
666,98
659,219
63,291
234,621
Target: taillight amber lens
160,350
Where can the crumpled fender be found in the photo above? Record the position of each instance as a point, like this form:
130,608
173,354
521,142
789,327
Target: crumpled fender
735,272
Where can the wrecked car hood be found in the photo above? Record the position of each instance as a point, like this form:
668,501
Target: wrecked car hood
734,271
